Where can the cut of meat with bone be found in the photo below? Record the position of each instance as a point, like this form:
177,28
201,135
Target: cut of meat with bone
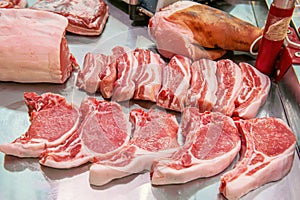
175,83
13,3
268,147
52,119
104,129
154,136
212,142
202,92
254,92
41,54
199,31
149,81
86,17
229,77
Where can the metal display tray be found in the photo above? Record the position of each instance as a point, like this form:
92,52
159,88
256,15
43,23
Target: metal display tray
27,179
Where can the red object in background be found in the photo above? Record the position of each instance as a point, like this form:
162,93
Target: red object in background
289,54
274,34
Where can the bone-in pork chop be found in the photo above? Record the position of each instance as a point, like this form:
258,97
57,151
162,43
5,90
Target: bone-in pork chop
103,130
212,142
267,153
154,136
52,119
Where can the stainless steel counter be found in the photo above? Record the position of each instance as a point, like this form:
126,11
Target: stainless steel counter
27,179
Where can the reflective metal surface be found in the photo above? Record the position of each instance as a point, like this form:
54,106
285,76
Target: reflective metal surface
27,179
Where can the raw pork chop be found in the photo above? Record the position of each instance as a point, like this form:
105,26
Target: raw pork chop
212,142
202,92
13,3
229,77
254,92
175,85
86,17
52,119
149,80
199,31
103,130
268,147
40,53
154,136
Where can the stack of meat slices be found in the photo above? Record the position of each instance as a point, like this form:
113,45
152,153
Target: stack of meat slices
13,3
219,86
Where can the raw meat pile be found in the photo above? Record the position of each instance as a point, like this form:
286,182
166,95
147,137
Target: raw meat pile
86,17
63,136
41,54
199,31
13,3
219,86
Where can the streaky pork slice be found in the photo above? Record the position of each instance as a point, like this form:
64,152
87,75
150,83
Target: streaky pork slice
202,92
267,153
154,135
41,54
149,80
254,92
13,3
212,142
175,83
88,78
139,75
127,72
103,130
99,72
229,77
86,17
52,119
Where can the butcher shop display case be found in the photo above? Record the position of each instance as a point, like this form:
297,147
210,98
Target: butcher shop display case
127,26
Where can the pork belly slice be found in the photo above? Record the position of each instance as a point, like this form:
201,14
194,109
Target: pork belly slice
104,129
229,77
86,17
175,84
13,3
99,72
154,136
212,142
139,75
268,147
189,28
88,78
34,47
202,92
254,92
127,73
52,119
149,80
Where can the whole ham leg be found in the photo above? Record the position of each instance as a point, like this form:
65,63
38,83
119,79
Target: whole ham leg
199,31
